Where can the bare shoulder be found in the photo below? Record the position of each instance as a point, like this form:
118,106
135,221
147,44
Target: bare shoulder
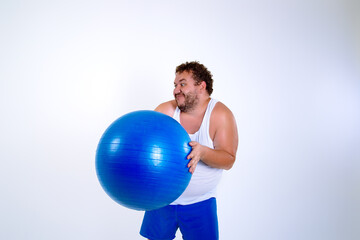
167,108
222,113
222,120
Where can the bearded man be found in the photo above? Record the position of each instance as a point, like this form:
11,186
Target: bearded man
212,129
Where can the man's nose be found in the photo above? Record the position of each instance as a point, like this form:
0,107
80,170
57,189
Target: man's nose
177,90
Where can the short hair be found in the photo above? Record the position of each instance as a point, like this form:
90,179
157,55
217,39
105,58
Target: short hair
200,73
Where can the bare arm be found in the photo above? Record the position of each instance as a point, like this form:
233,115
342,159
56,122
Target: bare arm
225,138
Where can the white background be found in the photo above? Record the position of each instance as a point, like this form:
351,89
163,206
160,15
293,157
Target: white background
289,71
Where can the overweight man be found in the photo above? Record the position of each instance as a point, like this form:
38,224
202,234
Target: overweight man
214,140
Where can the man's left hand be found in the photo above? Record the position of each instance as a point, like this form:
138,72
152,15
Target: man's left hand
195,155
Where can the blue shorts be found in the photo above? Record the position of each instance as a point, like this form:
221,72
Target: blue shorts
196,222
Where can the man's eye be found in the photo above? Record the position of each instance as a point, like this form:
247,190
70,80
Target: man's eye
181,85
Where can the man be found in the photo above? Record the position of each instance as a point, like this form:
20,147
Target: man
212,129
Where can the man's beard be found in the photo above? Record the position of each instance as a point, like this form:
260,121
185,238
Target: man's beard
191,100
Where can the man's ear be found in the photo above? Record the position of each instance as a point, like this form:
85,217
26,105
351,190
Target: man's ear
203,85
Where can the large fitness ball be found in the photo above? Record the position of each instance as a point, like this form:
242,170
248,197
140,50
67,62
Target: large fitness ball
141,160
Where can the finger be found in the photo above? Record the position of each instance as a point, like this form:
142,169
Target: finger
192,169
192,143
192,162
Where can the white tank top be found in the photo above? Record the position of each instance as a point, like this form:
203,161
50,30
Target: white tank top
204,180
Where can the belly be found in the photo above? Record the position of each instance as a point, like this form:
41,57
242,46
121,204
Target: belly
204,180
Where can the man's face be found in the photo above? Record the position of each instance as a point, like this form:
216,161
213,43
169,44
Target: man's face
185,91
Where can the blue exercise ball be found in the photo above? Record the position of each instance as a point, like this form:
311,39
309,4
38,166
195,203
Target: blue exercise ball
141,160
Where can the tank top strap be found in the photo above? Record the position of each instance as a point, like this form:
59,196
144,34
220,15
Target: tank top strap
209,109
176,115
204,131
